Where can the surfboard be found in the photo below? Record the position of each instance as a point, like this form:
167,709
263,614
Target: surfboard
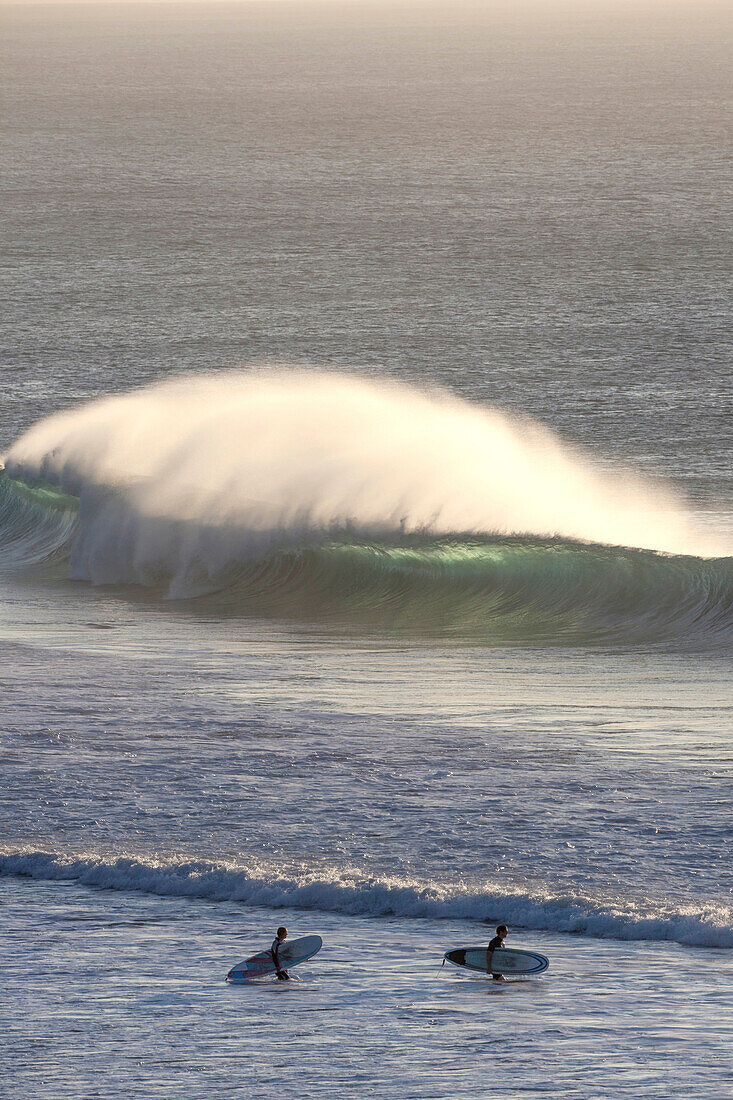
504,960
292,952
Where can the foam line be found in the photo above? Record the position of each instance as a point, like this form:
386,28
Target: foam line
349,892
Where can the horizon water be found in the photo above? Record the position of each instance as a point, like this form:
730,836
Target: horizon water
365,549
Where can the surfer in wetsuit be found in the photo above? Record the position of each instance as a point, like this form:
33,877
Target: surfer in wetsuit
498,941
282,934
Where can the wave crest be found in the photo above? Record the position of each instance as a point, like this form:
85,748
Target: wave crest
298,451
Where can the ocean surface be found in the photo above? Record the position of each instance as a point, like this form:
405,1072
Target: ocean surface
366,548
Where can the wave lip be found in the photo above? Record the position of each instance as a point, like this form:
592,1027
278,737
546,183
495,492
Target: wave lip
349,892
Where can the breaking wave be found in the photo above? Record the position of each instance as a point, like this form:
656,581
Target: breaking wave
338,891
321,497
500,589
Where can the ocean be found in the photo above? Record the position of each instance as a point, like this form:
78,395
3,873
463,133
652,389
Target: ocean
366,548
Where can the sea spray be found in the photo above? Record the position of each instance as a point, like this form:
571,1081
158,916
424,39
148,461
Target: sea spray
266,455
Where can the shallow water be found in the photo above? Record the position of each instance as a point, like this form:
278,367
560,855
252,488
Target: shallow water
125,993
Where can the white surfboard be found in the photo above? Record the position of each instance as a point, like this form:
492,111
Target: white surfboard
291,953
504,960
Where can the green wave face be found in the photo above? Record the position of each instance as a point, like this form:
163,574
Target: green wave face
494,590
37,523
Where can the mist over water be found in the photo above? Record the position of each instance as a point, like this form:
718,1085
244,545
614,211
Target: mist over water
269,454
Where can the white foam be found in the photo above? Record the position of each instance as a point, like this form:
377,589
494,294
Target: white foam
343,891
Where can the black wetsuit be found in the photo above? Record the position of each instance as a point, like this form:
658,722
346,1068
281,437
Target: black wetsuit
283,975
495,943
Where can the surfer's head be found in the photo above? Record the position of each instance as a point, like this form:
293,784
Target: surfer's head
502,930
282,932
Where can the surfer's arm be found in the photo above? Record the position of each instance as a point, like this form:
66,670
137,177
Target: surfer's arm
490,953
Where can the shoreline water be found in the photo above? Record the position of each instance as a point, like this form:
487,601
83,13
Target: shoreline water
119,984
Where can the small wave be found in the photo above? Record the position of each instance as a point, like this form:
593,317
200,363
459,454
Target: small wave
338,891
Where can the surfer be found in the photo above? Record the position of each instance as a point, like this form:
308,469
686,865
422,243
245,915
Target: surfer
282,935
498,941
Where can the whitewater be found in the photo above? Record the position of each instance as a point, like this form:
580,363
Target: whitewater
331,890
